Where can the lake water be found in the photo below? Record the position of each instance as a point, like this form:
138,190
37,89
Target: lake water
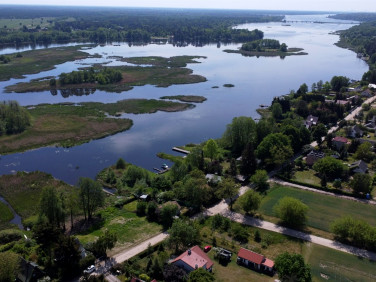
256,80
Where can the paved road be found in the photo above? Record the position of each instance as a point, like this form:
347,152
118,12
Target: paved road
285,183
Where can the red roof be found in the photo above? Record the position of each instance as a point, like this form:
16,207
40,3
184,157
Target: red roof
268,263
250,256
197,257
340,139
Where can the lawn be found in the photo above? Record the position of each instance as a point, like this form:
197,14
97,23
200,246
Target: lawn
331,265
129,228
307,176
323,210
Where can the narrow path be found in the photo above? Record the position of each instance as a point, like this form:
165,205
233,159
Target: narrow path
285,183
127,254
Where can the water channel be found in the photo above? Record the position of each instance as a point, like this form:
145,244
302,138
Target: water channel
256,80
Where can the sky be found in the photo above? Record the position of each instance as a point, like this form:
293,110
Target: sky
298,5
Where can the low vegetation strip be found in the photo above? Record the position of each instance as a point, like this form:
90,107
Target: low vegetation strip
322,210
35,61
176,61
160,75
186,98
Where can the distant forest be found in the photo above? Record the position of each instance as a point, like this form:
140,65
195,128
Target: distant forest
101,25
360,17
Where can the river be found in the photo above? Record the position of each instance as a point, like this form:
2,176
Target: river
256,80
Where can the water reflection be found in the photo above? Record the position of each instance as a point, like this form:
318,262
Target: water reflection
66,93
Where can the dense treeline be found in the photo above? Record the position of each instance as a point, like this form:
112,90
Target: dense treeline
13,118
140,25
361,17
264,44
104,76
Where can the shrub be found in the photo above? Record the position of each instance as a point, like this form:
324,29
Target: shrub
7,236
291,211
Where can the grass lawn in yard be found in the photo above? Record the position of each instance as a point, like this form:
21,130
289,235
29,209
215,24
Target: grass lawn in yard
331,265
129,228
307,176
323,209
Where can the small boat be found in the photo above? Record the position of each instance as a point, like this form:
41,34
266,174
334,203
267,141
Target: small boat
165,166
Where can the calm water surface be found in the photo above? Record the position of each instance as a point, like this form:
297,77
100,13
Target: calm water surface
256,80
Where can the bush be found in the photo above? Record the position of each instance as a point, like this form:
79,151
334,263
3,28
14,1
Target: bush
120,164
257,236
240,233
87,261
291,211
7,236
141,208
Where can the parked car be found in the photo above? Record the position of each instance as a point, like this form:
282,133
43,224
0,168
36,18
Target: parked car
90,269
207,249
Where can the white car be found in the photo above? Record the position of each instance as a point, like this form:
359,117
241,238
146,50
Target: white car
90,269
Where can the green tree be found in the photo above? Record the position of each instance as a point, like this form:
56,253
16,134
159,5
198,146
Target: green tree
330,167
91,196
134,173
250,201
120,164
183,234
228,189
196,158
326,87
233,167
275,149
200,275
178,171
248,161
9,266
319,132
50,206
73,204
364,152
151,211
211,149
240,132
141,208
361,183
303,89
167,215
291,267
260,178
105,242
291,211
338,82
276,109
283,47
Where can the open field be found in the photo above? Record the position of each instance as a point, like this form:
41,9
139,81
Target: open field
323,210
307,176
16,24
129,228
23,190
35,61
331,265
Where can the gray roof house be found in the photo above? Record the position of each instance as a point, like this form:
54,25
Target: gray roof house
359,167
311,121
355,131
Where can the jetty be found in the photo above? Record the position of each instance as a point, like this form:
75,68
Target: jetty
180,150
161,171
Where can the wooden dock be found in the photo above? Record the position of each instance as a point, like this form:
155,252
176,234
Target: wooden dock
180,150
161,171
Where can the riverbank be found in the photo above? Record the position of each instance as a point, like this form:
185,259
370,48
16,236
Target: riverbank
69,125
35,61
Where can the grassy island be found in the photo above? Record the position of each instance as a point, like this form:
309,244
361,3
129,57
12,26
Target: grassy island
35,61
163,72
68,125
186,98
